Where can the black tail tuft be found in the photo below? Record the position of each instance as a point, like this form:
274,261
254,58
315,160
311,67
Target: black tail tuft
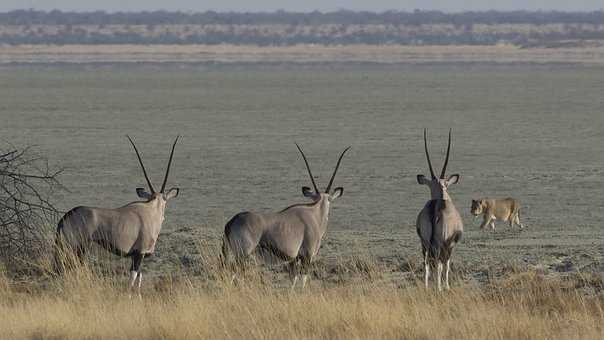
225,240
59,250
456,237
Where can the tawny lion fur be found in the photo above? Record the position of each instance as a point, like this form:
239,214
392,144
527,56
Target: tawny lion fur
492,209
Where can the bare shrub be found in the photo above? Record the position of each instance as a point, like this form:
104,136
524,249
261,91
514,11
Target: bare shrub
27,184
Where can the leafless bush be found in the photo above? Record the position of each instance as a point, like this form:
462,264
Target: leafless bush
27,184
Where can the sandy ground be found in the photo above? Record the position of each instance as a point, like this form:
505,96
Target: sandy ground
529,131
298,54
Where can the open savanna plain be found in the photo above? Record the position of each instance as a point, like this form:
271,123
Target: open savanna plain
533,131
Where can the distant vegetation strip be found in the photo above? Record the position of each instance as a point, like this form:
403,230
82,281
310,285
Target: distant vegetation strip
522,28
345,17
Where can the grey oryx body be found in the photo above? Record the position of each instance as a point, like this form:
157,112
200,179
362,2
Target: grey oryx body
131,230
439,224
293,234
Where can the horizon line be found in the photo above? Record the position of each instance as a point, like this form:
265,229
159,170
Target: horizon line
276,11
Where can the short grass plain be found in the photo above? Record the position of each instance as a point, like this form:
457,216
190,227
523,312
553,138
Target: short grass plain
529,131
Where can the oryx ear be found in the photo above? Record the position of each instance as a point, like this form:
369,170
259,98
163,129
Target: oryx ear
173,192
307,192
337,192
421,179
453,179
142,193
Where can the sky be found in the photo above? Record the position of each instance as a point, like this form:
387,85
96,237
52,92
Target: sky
301,5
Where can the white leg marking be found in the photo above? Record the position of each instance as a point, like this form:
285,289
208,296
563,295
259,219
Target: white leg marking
294,282
304,278
140,282
439,273
133,275
426,270
447,287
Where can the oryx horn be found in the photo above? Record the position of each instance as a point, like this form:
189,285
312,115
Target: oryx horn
163,186
308,168
442,173
428,155
336,170
142,165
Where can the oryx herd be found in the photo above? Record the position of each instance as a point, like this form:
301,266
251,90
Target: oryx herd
293,234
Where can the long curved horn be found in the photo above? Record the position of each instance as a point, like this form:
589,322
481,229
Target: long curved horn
163,186
428,155
442,173
308,168
336,170
142,165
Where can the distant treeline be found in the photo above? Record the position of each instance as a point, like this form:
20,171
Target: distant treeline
289,28
342,17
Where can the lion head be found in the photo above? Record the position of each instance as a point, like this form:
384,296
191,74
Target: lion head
477,207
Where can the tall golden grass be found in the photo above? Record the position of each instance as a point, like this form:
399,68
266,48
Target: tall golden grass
86,304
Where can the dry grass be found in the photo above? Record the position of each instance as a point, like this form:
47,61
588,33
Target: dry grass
84,304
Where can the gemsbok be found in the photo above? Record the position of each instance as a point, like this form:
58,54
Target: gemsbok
293,234
130,231
439,224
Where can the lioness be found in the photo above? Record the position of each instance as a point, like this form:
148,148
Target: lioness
507,209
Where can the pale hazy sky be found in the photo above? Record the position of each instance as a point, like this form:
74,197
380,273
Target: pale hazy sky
301,5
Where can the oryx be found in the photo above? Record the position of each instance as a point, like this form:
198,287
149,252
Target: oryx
131,230
439,224
293,234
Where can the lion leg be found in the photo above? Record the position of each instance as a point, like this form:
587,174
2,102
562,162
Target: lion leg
517,221
485,222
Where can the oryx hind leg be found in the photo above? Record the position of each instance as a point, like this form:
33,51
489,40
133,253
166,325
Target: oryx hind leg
299,267
439,274
240,268
294,272
447,270
426,268
68,257
137,259
305,270
240,259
